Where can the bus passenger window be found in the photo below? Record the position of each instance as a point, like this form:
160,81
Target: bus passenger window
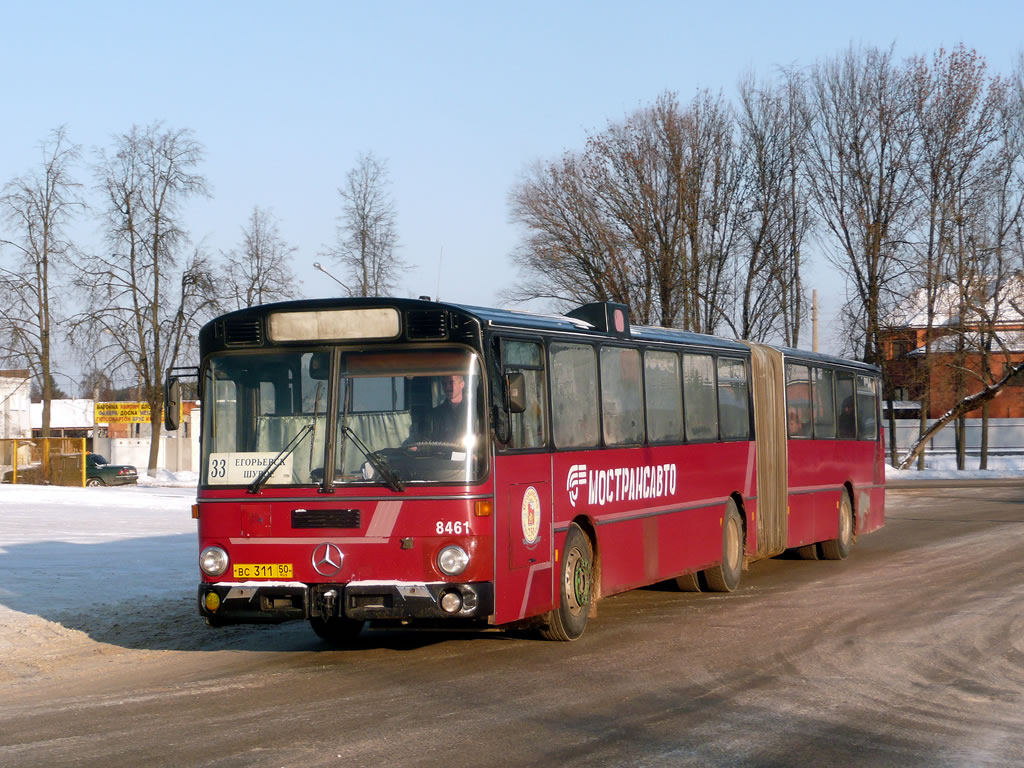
867,409
733,409
847,418
699,401
798,400
529,428
824,404
574,395
664,396
621,397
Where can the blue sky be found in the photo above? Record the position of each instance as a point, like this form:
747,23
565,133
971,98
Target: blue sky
458,97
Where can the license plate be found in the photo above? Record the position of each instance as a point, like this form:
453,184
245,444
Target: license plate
262,571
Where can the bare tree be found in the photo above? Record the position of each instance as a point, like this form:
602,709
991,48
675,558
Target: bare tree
635,168
955,113
260,269
571,254
770,293
645,216
148,295
367,235
37,208
861,133
709,198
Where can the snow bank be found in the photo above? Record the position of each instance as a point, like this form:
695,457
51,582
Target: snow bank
944,468
166,479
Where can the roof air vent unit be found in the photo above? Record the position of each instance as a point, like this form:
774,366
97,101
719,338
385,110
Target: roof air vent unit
243,333
426,324
606,316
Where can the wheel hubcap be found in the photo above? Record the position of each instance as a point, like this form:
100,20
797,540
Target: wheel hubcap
732,544
577,581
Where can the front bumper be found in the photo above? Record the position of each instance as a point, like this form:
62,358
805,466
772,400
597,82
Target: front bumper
262,602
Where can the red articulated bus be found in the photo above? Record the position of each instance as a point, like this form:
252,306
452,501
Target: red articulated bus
404,461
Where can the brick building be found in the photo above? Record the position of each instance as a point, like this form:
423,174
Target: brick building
957,357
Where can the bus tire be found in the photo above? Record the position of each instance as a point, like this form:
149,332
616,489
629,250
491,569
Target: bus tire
688,582
338,630
839,547
725,577
575,588
807,552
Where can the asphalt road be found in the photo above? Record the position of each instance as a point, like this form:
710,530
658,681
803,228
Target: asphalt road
909,653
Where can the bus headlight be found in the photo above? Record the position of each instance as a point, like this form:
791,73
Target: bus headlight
213,561
452,560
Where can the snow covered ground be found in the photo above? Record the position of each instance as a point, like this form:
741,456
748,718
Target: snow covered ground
88,569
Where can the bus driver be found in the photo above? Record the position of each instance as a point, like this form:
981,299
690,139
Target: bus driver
448,419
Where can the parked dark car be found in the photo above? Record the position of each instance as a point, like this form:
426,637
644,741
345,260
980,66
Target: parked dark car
66,469
99,471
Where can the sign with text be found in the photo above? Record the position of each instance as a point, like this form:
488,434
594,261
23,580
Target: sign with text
122,413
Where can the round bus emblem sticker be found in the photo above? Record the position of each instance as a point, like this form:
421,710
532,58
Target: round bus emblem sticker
531,515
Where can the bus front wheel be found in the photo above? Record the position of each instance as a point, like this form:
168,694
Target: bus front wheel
569,619
726,576
839,547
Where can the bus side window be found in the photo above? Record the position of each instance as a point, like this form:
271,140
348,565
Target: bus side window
622,404
574,405
733,412
867,409
664,396
700,403
529,428
824,404
798,400
847,420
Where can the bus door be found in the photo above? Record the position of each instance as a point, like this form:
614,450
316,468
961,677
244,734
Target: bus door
523,559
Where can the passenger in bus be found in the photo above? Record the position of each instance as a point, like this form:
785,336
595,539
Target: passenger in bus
798,422
847,419
448,419
793,422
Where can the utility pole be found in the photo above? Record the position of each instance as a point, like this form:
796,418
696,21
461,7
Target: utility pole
814,320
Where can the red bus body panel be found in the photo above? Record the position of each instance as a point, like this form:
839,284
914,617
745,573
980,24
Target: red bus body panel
258,529
819,472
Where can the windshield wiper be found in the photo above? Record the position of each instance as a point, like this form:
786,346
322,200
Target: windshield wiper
284,453
376,460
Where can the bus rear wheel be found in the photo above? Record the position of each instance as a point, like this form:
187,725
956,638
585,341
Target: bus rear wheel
688,582
569,619
336,630
839,547
725,577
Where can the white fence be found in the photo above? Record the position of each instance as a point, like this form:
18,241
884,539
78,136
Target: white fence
1005,443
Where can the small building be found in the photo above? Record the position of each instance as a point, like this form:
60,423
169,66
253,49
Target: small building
956,359
15,404
68,418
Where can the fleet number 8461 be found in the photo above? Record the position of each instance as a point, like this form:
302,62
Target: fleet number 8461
451,528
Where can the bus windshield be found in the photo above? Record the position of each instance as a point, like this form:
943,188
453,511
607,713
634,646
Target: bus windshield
405,415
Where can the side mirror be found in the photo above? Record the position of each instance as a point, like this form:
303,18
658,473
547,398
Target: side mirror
515,388
172,403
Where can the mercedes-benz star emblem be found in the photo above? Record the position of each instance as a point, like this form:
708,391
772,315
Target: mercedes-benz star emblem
327,559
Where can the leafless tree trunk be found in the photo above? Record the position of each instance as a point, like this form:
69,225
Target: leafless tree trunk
146,296
861,139
770,289
648,215
367,235
37,208
260,270
572,253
